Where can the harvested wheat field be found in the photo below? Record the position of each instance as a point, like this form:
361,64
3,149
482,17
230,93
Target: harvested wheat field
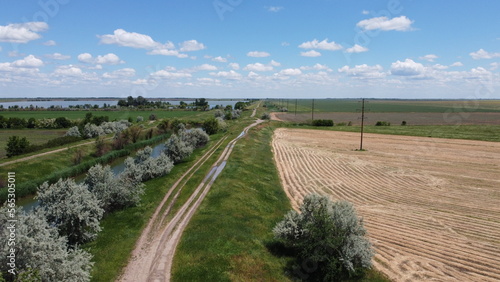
431,206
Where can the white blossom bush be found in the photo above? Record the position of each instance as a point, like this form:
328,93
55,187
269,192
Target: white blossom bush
41,251
46,123
219,114
222,125
177,149
113,192
73,131
329,235
195,138
114,126
139,118
236,114
144,167
72,208
91,130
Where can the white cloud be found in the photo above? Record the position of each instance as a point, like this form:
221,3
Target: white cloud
258,54
482,54
125,72
22,33
323,45
0,48
494,66
58,56
205,67
258,67
274,63
128,39
311,53
356,49
167,52
68,71
290,72
315,67
429,57
439,67
456,64
274,8
169,74
234,66
109,59
219,59
365,12
49,43
232,75
85,58
191,45
28,62
401,23
363,71
407,68
284,43
16,54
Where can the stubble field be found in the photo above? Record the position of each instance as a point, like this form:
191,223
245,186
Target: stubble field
431,206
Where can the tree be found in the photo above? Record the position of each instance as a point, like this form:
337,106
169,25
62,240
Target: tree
239,105
211,126
133,133
16,146
73,131
144,167
41,254
328,237
176,149
114,192
195,138
72,208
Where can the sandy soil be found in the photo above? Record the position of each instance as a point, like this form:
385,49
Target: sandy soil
431,206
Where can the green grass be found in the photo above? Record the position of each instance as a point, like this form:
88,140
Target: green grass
467,132
118,115
387,106
34,136
226,239
114,244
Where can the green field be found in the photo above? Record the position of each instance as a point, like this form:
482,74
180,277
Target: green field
389,106
113,115
34,136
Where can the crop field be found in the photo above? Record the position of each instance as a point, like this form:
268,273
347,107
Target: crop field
34,136
118,115
430,205
390,106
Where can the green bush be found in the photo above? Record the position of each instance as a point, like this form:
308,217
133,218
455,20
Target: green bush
322,122
16,146
211,126
382,123
327,239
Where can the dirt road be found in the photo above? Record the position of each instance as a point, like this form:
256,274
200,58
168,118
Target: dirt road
154,252
431,206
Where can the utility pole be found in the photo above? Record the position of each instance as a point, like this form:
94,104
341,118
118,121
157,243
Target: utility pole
362,122
312,112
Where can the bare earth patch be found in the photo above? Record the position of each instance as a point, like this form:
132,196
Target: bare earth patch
431,206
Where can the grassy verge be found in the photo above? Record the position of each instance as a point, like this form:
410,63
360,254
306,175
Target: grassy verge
226,239
468,132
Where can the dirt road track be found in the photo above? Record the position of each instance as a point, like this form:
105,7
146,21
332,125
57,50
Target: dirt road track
153,255
431,206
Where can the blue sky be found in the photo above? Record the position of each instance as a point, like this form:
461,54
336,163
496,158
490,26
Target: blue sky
243,48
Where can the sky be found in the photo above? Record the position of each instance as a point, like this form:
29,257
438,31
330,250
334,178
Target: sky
403,49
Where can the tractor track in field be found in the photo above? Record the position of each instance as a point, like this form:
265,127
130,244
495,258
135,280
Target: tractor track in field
430,206
154,251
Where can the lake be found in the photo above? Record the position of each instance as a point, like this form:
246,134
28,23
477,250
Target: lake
66,104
